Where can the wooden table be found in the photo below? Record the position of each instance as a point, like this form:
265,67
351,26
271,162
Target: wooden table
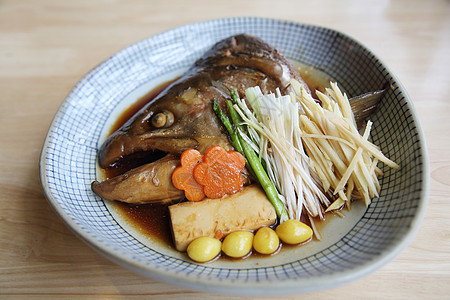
47,46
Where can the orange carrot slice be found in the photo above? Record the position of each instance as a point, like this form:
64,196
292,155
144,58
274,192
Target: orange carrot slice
182,176
219,172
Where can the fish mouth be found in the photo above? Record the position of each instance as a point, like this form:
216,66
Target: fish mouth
135,160
135,150
139,170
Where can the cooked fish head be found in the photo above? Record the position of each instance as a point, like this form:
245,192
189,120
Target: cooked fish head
182,117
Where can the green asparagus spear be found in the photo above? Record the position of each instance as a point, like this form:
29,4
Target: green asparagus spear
228,126
256,165
234,96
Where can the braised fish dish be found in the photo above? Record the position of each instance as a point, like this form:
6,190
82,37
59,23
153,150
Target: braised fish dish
244,154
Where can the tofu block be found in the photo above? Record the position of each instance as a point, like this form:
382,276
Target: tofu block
248,209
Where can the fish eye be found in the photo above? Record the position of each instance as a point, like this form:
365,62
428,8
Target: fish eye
162,119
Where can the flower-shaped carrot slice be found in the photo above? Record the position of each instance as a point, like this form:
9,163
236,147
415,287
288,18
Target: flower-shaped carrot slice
182,176
219,172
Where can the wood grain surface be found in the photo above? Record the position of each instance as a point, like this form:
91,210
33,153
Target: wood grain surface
47,46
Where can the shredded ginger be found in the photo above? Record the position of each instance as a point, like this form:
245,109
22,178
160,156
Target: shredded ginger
344,160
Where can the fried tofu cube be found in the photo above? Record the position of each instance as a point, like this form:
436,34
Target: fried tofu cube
248,209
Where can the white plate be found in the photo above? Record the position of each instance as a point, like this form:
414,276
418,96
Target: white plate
352,247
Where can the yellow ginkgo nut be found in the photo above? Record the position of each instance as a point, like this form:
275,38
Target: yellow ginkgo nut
204,249
238,244
266,241
293,232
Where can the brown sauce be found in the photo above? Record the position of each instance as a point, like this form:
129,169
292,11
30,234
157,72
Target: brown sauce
153,219
148,219
140,103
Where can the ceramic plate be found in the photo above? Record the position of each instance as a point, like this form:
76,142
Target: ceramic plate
351,247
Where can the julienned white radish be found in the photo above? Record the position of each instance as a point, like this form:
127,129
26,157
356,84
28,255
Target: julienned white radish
273,123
